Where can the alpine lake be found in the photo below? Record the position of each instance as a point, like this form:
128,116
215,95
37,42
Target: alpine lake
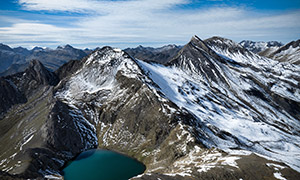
102,165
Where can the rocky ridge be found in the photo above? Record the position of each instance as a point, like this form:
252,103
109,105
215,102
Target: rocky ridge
287,53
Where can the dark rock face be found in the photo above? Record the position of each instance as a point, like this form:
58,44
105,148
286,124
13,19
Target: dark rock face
17,88
46,131
38,72
7,176
68,69
159,55
66,130
34,76
9,95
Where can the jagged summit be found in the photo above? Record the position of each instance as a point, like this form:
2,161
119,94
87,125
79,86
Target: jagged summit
36,63
199,43
38,71
197,57
107,54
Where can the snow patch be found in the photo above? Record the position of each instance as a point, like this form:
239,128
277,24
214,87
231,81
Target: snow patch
276,166
278,175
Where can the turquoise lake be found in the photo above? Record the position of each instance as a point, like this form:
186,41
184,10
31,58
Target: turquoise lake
102,165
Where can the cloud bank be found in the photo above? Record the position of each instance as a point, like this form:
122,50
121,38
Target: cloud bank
148,22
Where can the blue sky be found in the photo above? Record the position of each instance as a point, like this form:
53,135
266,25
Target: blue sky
128,23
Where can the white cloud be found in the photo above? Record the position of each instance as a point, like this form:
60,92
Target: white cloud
56,5
99,6
148,22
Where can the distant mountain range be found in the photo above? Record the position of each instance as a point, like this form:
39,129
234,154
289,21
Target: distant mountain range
13,60
257,47
214,110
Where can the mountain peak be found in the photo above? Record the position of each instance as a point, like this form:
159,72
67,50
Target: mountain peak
36,70
107,54
199,43
295,44
198,58
102,70
21,50
37,49
5,47
37,66
66,47
196,38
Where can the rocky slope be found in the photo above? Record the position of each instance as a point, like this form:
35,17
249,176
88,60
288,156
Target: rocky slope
215,111
160,55
287,53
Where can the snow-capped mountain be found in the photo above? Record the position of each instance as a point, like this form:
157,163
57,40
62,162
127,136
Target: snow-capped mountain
287,53
214,111
259,46
222,82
